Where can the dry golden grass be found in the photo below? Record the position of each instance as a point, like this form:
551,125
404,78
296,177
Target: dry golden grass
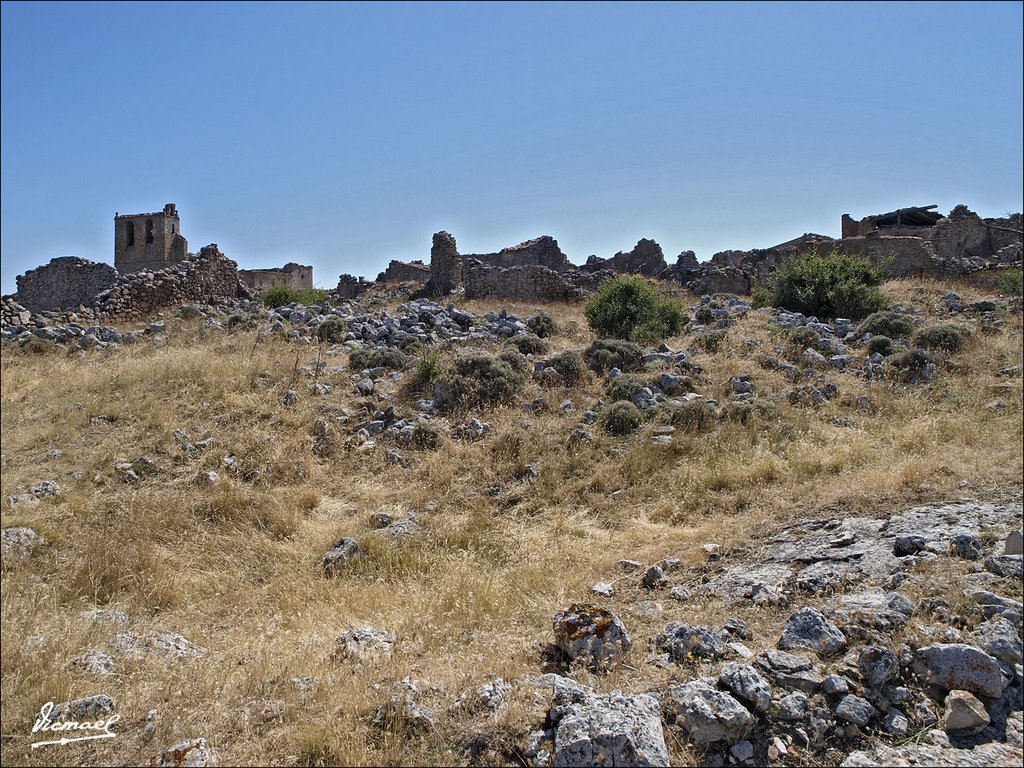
236,567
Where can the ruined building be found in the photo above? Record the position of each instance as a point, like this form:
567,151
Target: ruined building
291,275
148,240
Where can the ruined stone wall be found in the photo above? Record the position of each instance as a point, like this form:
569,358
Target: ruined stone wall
64,283
646,258
203,278
404,272
148,240
444,265
292,275
527,282
351,287
542,251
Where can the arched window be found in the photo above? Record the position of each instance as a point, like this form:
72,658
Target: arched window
129,231
149,230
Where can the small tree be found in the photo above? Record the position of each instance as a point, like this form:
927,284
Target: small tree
831,286
628,307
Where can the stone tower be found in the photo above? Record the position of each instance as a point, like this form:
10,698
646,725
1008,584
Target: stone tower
148,240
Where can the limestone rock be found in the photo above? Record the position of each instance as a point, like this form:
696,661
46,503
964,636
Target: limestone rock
612,729
18,543
964,712
684,643
365,644
745,682
592,635
707,715
854,709
956,666
192,753
807,628
789,670
340,555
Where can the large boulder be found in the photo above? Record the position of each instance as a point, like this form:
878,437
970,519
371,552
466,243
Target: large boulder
808,629
613,729
956,666
707,715
591,634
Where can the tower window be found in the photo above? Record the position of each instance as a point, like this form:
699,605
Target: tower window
129,230
149,230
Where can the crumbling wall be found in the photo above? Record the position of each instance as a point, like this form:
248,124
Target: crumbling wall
64,283
205,277
148,240
351,287
292,275
405,272
542,251
646,258
444,265
530,282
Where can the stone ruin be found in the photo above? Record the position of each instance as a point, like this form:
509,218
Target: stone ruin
148,240
542,251
646,259
405,272
291,275
68,283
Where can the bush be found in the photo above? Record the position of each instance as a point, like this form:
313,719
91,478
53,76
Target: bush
626,387
428,370
332,330
392,359
944,336
238,322
909,366
627,307
542,324
891,324
883,345
800,339
570,365
621,418
278,295
529,344
1011,282
709,341
705,314
826,286
605,354
480,379
694,416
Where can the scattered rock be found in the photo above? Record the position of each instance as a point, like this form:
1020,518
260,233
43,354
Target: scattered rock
964,712
707,715
592,635
854,709
610,729
807,628
745,682
365,644
956,666
341,555
18,543
192,753
684,643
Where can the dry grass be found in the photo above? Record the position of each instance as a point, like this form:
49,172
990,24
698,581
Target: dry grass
235,568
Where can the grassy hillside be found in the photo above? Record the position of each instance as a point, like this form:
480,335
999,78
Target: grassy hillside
514,525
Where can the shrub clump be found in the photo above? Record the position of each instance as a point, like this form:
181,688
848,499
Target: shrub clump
605,354
481,379
693,416
831,286
628,307
883,345
621,418
542,324
910,366
626,387
1011,282
709,341
945,336
392,359
332,330
529,344
570,366
279,295
886,323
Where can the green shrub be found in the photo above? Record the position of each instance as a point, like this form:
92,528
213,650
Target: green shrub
529,344
883,345
621,418
332,330
238,322
605,354
627,307
542,324
741,412
891,324
426,436
704,313
906,365
479,379
428,370
693,416
278,295
570,365
947,337
392,359
709,341
1011,282
37,346
826,286
800,339
411,345
626,387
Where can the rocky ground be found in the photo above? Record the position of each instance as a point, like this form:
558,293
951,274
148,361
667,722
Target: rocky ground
634,612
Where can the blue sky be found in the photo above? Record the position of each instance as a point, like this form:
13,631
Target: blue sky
344,135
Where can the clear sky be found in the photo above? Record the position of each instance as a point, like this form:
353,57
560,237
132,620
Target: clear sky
344,135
